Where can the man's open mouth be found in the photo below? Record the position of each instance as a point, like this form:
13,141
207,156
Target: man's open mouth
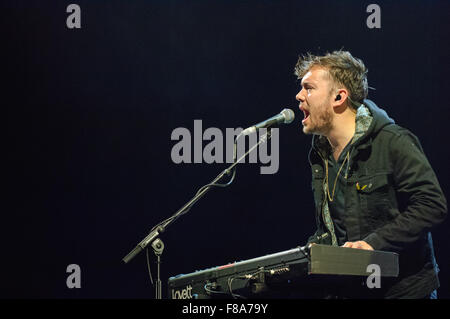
306,115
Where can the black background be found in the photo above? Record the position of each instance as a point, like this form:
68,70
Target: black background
90,113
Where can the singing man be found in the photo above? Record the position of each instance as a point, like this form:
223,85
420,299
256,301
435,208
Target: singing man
373,186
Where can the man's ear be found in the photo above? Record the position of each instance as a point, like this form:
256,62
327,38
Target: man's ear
340,98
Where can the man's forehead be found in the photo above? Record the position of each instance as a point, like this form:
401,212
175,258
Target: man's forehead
315,74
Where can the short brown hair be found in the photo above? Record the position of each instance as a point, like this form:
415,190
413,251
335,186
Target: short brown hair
343,68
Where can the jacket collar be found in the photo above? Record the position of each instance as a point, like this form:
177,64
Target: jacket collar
363,121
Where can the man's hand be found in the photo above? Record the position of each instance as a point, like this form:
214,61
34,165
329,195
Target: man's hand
358,244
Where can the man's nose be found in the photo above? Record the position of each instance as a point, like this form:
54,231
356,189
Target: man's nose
300,97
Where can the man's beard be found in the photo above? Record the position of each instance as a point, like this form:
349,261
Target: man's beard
321,125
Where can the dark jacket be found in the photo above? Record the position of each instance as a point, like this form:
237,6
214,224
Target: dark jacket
401,202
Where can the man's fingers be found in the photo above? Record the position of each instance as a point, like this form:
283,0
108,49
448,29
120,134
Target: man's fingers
358,245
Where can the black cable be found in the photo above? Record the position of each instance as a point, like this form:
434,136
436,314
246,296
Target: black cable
206,288
230,282
172,218
247,277
148,267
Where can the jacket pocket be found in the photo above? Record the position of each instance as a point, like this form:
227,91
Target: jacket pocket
377,199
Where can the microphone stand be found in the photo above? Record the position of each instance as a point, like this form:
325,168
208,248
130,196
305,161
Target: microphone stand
152,237
158,247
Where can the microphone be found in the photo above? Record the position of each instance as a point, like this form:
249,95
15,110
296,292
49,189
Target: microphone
284,117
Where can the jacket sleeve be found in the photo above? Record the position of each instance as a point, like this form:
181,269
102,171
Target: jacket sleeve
415,181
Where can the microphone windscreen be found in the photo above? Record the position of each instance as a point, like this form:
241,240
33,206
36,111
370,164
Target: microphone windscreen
288,115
